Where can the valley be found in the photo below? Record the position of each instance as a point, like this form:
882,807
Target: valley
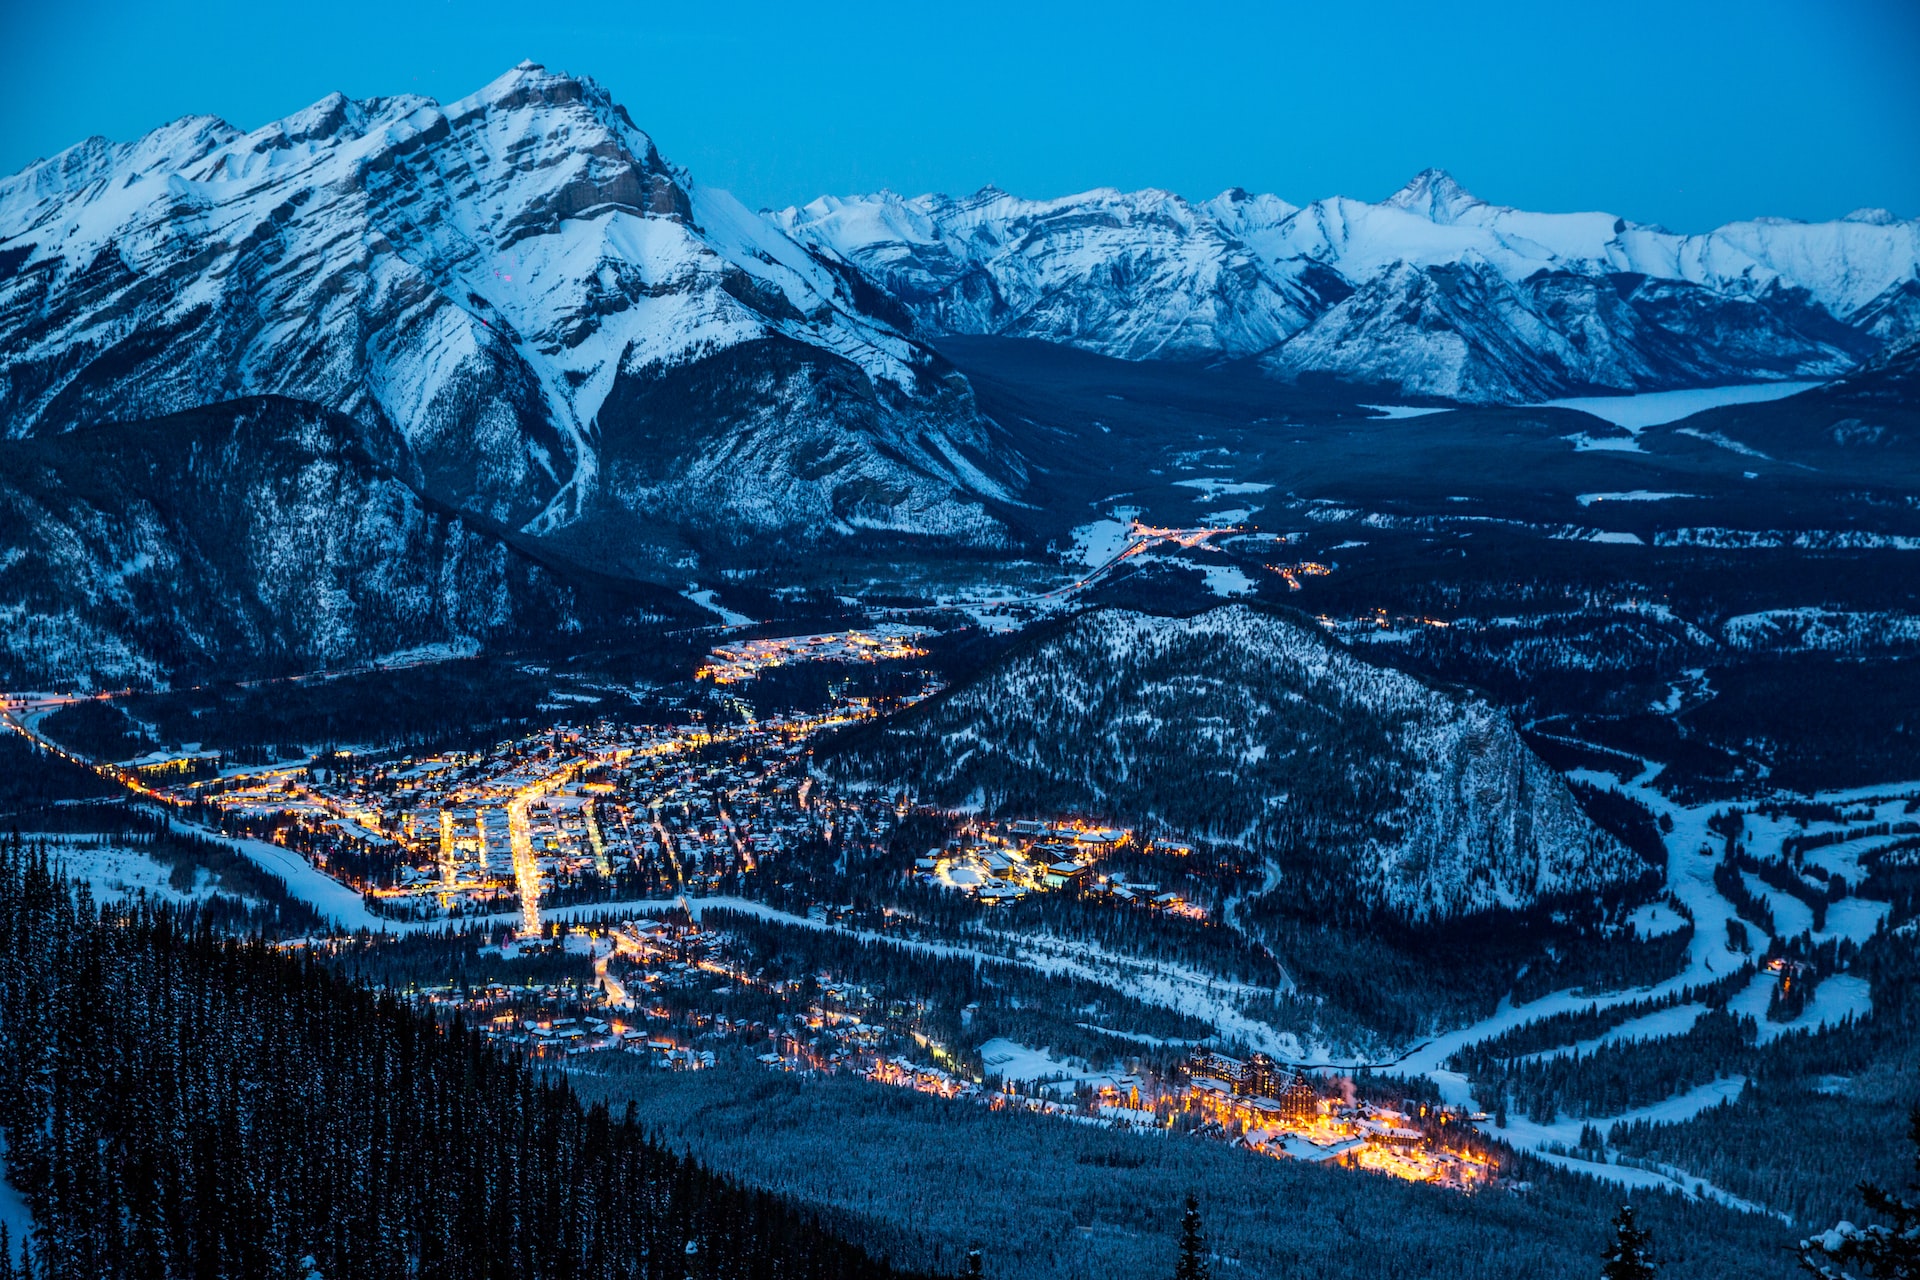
726,818
912,733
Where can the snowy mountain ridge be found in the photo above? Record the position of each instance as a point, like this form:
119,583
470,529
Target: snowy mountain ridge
1432,289
1241,728
502,279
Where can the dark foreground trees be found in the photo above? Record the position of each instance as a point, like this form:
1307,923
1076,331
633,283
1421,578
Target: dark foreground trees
1193,1246
177,1103
1630,1257
1879,1251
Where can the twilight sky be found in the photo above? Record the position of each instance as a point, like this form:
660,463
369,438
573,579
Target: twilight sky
1685,112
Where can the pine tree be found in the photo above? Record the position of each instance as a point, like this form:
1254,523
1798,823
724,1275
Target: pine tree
1881,1251
1193,1246
1629,1258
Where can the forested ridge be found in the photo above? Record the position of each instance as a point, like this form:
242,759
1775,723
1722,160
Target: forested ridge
177,1102
1245,728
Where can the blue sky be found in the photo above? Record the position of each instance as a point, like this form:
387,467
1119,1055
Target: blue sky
1679,112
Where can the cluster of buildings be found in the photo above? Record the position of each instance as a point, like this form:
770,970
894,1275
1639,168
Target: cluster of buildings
733,663
679,996
571,813
1266,1108
1292,573
1004,861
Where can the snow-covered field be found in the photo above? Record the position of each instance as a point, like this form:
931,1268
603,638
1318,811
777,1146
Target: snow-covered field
1657,408
1391,411
115,874
708,600
1212,487
1629,495
1096,543
1227,580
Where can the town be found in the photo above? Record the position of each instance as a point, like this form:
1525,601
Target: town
720,804
678,996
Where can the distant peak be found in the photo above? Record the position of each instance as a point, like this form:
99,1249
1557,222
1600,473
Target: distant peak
324,119
531,81
1434,194
1872,217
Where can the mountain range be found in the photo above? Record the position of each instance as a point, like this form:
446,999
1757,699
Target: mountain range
524,337
1430,292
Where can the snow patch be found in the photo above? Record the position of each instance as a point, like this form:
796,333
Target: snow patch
1656,408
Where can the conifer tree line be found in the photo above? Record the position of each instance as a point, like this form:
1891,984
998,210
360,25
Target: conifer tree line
175,1102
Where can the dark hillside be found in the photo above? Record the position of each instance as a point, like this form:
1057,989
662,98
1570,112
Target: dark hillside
177,1103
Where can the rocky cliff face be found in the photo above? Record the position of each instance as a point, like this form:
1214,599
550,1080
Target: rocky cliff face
1243,729
1431,291
517,285
261,535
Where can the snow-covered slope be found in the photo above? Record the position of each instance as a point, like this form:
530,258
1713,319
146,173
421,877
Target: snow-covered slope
507,280
1244,729
257,535
1431,289
1138,275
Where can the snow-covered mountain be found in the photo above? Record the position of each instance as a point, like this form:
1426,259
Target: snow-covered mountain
1140,276
1431,289
1244,729
556,320
257,535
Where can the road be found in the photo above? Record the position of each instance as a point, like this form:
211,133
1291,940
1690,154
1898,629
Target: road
616,990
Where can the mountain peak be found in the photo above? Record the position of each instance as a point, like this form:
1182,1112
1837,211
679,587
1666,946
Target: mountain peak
318,122
1435,195
530,82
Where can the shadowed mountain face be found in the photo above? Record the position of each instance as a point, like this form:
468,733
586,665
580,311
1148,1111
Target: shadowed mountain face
1431,291
256,536
517,288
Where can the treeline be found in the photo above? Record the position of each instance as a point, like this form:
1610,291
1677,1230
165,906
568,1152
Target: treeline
1630,822
1820,1112
179,1103
1137,929
1793,846
466,959
1613,1078
97,729
1594,1021
234,893
925,1179
33,782
1607,960
1893,876
461,704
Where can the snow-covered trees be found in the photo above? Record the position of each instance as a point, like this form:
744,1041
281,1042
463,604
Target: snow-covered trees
1193,1246
175,1102
1879,1251
1630,1256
